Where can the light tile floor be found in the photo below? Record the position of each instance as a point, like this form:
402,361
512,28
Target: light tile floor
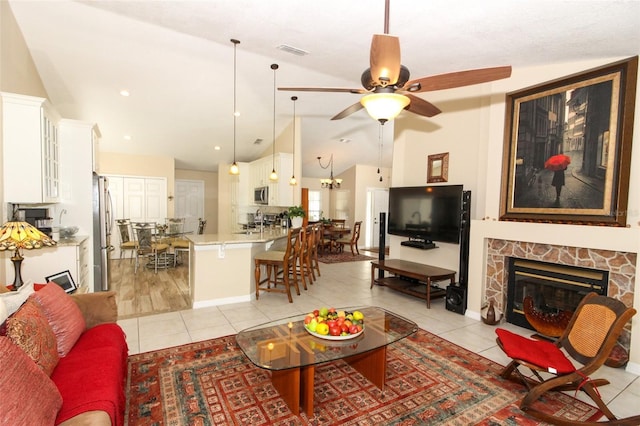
344,285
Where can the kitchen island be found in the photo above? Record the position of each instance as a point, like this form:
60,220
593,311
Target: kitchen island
221,265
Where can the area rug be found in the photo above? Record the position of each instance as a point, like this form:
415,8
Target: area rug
429,381
345,256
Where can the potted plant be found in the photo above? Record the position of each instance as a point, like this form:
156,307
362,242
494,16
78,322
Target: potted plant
296,214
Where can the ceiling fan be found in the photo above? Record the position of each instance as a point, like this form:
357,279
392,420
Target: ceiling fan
387,85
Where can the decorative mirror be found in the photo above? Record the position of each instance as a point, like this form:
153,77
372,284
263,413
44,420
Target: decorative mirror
438,168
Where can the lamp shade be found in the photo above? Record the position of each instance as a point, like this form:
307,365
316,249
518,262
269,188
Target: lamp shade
384,106
22,235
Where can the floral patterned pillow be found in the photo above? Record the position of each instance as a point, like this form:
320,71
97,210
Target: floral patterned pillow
29,329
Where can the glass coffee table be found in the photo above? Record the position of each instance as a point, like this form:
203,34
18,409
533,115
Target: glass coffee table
291,353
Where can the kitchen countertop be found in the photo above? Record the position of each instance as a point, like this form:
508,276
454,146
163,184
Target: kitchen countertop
73,241
238,238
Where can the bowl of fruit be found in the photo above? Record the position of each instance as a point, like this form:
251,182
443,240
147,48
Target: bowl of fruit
332,324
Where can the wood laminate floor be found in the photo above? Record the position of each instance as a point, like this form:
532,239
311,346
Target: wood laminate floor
145,292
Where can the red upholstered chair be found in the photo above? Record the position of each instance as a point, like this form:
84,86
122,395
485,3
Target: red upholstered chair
589,338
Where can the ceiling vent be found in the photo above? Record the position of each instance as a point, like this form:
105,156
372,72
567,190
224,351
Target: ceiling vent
292,50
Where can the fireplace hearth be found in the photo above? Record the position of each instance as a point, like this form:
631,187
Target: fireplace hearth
555,290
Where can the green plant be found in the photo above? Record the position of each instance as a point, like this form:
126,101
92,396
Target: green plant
296,211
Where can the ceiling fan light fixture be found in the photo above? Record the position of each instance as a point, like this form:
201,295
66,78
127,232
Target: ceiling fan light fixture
384,106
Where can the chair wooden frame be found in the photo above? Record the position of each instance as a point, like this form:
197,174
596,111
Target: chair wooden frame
352,240
590,336
280,268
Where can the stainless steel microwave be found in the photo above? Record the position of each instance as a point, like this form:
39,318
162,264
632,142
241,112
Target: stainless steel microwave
261,195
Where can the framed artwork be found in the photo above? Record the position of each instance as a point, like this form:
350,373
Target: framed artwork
64,280
438,168
567,148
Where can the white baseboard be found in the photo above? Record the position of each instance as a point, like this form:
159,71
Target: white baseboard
222,301
633,368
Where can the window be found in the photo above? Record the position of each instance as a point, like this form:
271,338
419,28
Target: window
315,203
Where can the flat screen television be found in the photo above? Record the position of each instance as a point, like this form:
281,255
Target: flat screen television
428,213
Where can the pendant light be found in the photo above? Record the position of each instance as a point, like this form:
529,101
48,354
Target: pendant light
234,169
274,176
293,181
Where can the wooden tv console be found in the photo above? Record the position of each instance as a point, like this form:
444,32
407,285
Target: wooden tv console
425,275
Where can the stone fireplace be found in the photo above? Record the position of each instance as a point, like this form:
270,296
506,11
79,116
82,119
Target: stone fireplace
620,266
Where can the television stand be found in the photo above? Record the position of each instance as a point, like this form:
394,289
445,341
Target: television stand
419,243
421,278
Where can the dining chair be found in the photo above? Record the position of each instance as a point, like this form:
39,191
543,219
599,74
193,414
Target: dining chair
302,261
175,231
127,241
147,245
318,241
202,224
280,268
351,240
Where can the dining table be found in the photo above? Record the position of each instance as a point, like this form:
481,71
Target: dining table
334,233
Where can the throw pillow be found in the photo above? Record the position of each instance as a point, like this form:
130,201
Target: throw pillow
63,315
29,329
14,299
29,397
97,308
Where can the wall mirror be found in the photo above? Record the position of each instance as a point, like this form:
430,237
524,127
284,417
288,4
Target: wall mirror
438,168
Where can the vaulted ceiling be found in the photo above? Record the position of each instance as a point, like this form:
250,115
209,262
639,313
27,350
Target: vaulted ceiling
176,60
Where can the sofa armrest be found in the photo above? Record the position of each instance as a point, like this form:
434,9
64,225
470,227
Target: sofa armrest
97,308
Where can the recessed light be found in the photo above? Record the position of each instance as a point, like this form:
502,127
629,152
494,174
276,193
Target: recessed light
345,140
124,92
127,137
217,147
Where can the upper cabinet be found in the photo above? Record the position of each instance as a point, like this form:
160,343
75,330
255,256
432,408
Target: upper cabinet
280,192
31,160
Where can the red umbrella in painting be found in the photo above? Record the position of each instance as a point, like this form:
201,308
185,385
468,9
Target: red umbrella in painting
557,162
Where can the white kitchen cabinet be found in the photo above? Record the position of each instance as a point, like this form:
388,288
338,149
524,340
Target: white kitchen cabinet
30,150
280,192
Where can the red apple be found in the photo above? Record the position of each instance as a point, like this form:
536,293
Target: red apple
344,328
331,323
335,330
353,329
332,310
316,313
307,319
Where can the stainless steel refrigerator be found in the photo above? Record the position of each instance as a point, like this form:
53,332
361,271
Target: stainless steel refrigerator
102,225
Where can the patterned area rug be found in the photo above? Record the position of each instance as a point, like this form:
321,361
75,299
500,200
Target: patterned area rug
345,256
430,381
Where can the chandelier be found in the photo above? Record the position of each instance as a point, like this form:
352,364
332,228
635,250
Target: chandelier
331,182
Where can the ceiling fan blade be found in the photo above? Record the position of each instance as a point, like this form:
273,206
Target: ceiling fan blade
384,59
350,110
457,79
323,89
421,107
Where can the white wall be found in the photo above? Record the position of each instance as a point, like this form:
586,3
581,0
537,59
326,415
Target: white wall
471,129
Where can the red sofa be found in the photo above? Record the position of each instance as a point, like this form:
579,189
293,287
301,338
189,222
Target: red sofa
78,375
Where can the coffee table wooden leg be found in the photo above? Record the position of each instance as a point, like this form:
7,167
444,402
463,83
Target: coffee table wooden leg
287,383
372,365
295,386
306,389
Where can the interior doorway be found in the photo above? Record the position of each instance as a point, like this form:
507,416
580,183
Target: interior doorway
189,202
377,202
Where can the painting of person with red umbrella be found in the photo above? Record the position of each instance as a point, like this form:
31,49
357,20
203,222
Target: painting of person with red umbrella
557,164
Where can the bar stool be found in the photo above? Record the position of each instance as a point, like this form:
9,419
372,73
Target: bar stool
280,267
317,245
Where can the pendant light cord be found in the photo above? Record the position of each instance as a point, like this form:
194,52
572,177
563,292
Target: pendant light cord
274,67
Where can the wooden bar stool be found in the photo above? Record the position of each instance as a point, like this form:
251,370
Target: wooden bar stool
280,267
